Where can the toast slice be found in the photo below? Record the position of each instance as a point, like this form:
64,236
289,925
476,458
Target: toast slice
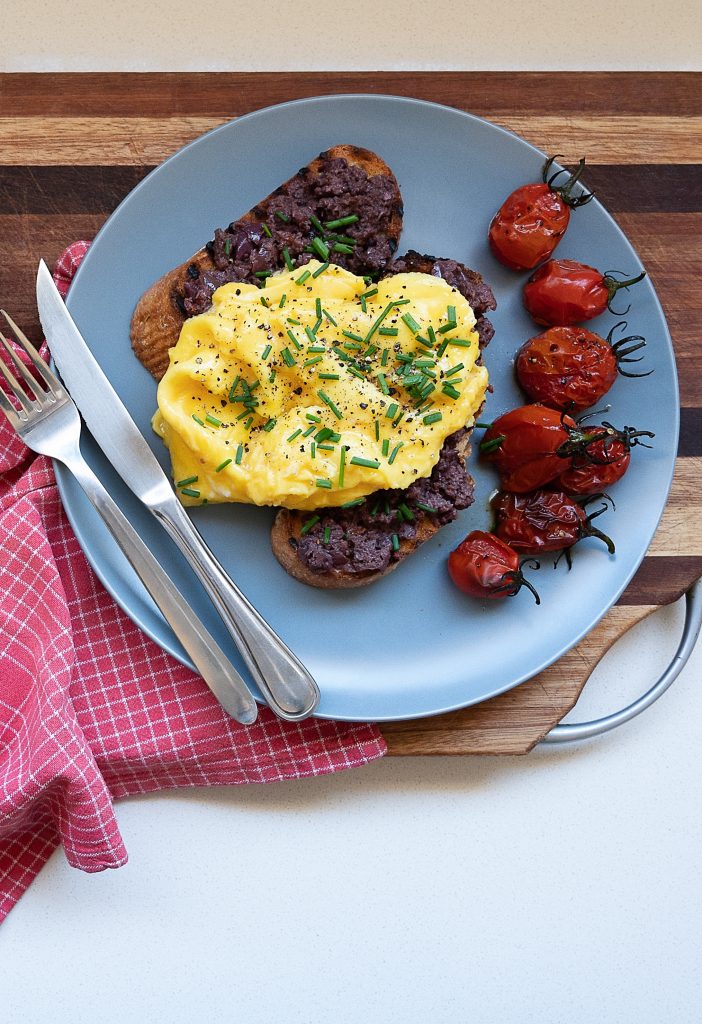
345,181
353,547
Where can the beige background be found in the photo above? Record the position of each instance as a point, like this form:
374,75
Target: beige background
183,35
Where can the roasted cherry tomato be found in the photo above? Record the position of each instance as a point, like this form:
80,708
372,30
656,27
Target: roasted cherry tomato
563,292
484,566
572,368
533,219
524,445
602,461
544,521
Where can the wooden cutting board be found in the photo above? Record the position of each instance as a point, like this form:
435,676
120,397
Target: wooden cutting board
73,145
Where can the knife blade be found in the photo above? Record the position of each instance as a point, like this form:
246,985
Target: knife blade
286,684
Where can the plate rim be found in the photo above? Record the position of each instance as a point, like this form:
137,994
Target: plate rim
169,643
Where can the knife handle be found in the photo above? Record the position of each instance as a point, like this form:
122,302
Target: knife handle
289,689
210,661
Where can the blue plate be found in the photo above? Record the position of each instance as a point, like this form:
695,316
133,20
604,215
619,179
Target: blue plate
411,644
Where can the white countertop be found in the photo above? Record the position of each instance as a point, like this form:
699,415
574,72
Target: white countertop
562,886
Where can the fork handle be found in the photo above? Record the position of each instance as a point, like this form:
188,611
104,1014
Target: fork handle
211,662
287,686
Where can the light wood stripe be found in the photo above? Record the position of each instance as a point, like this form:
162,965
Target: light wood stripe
679,533
149,140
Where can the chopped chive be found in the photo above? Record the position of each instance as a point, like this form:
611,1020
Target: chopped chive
343,247
239,453
266,352
288,261
433,417
190,492
324,483
425,362
295,433
367,463
385,447
451,326
262,274
403,357
265,302
401,416
394,452
282,301
303,277
328,376
343,238
451,313
442,348
329,317
320,248
355,372
455,369
288,357
406,511
188,480
378,321
310,335
227,246
432,336
354,503
384,357
461,342
267,231
363,303
341,222
327,534
318,308
451,391
242,414
391,410
352,346
320,270
272,377
342,355
313,450
326,447
377,430
248,422
395,542
424,341
425,508
293,339
411,323
293,321
352,336
429,373
309,523
388,332
269,426
316,348
492,444
311,416
401,302
369,293
222,465
282,216
310,430
342,465
316,224
198,420
312,361
232,390
324,434
380,377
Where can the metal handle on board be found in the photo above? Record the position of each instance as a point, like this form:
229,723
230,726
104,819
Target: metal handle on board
569,732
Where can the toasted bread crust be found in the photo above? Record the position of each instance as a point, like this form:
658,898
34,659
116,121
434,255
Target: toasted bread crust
159,316
285,535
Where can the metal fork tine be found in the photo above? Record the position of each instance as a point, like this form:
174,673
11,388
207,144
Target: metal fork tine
15,387
7,406
39,364
37,392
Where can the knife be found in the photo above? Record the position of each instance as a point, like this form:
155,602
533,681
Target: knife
287,686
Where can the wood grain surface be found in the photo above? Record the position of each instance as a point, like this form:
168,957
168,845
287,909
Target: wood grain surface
73,145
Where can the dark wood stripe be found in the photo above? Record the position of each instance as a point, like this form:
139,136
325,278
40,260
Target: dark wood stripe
228,95
672,188
662,579
652,188
49,190
690,432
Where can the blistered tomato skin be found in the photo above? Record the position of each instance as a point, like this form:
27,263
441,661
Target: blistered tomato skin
528,226
523,445
602,464
565,292
484,566
566,367
545,521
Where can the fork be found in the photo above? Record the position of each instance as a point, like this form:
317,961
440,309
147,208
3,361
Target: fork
49,423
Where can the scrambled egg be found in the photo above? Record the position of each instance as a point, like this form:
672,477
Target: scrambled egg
318,388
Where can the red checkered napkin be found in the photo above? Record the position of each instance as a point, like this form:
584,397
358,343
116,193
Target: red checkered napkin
91,709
